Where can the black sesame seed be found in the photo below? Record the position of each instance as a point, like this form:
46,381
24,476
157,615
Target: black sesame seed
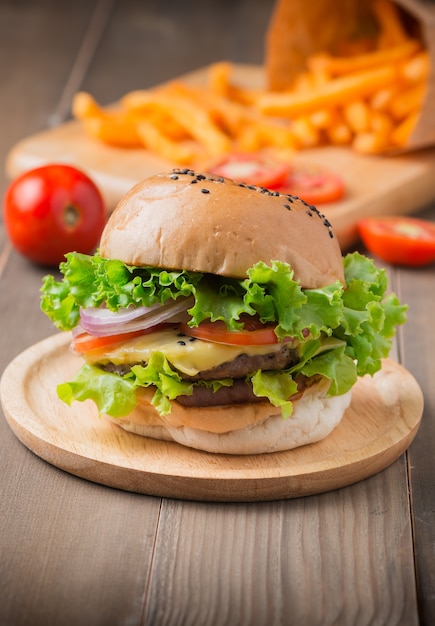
174,177
192,182
331,234
181,343
310,213
192,339
288,207
200,177
205,190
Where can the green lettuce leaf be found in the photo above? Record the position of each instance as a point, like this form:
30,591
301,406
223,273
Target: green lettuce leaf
111,393
158,373
277,387
370,316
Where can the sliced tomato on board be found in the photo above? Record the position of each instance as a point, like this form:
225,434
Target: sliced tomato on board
254,333
399,240
253,169
314,184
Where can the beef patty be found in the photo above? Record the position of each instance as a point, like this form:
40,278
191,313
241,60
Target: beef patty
243,365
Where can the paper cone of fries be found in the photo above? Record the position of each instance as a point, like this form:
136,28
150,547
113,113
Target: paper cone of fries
362,68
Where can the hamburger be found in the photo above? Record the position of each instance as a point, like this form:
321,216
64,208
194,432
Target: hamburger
221,316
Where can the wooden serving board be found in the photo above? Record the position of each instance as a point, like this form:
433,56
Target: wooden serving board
375,185
380,423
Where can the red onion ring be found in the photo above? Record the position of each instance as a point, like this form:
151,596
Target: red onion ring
102,322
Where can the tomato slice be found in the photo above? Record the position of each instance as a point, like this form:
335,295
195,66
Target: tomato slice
314,184
254,333
399,240
84,342
253,169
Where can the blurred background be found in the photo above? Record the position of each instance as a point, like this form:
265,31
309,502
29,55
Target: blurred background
50,40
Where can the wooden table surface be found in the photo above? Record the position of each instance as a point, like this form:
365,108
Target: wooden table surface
74,552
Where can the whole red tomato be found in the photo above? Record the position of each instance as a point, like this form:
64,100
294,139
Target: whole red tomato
51,210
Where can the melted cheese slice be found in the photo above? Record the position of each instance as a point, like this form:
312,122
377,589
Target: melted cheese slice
187,354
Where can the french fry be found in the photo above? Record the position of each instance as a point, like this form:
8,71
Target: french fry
335,93
304,131
85,106
273,133
339,134
303,83
226,114
115,131
143,106
338,66
402,132
380,123
416,69
113,127
249,139
370,143
407,102
153,139
244,96
357,116
381,100
219,78
139,100
323,118
219,83
199,124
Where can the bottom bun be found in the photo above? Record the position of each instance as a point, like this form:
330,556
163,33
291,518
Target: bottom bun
314,417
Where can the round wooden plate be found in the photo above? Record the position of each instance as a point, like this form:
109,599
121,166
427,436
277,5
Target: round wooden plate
378,426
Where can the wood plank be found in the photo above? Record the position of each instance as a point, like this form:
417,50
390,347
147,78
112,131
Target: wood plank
418,348
72,552
341,558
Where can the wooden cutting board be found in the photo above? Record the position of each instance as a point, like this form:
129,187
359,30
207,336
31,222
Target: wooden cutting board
379,425
375,185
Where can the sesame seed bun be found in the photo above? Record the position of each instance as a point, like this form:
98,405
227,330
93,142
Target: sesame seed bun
206,223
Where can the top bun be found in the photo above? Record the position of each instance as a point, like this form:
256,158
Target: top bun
209,224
